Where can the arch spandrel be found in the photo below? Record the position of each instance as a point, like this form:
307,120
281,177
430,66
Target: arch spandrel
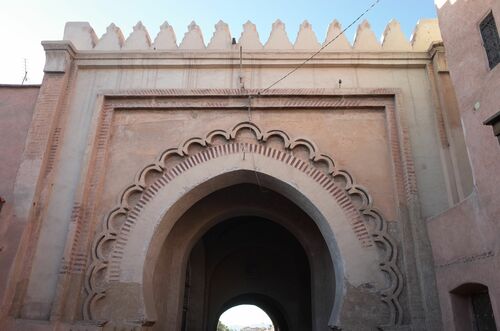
363,253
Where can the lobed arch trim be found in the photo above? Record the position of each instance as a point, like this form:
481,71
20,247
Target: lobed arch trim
354,199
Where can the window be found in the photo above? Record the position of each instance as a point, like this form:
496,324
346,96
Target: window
491,40
472,308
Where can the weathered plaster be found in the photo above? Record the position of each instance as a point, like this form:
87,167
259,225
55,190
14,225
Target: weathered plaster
111,105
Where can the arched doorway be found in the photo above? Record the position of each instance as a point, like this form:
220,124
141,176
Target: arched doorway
138,255
259,248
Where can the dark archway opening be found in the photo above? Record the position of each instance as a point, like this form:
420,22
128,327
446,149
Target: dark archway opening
244,244
249,259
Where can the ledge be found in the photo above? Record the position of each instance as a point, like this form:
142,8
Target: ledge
58,56
20,86
244,99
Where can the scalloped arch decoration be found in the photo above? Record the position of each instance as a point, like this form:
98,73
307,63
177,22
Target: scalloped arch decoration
368,224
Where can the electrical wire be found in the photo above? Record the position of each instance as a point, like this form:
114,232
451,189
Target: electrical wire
321,49
249,110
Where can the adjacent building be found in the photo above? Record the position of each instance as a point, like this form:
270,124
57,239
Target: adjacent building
465,239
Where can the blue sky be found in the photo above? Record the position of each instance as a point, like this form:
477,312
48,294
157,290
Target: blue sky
24,23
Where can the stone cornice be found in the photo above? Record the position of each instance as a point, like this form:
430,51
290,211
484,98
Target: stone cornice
230,93
244,99
262,59
58,56
104,59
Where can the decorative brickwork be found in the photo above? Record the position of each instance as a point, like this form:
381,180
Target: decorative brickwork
366,222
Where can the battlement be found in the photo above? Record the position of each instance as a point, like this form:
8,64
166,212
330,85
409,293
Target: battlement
83,37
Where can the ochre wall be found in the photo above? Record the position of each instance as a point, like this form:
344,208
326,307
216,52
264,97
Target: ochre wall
99,120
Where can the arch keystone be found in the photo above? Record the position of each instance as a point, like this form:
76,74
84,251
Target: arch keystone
246,125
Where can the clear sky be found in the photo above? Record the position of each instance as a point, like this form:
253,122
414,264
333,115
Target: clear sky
245,315
25,23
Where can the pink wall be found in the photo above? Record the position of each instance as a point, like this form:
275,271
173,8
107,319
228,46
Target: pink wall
16,110
465,239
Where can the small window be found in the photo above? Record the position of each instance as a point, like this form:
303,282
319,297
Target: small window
491,40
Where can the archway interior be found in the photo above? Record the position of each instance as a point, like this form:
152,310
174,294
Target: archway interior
244,244
252,257
245,316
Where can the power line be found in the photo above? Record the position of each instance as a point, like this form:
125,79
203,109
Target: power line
25,78
321,49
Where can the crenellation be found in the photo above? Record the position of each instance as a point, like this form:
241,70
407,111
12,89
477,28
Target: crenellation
81,34
193,38
166,39
306,38
365,39
278,39
221,38
394,38
139,38
341,43
426,32
112,40
249,38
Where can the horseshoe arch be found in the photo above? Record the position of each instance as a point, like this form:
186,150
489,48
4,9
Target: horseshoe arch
362,251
